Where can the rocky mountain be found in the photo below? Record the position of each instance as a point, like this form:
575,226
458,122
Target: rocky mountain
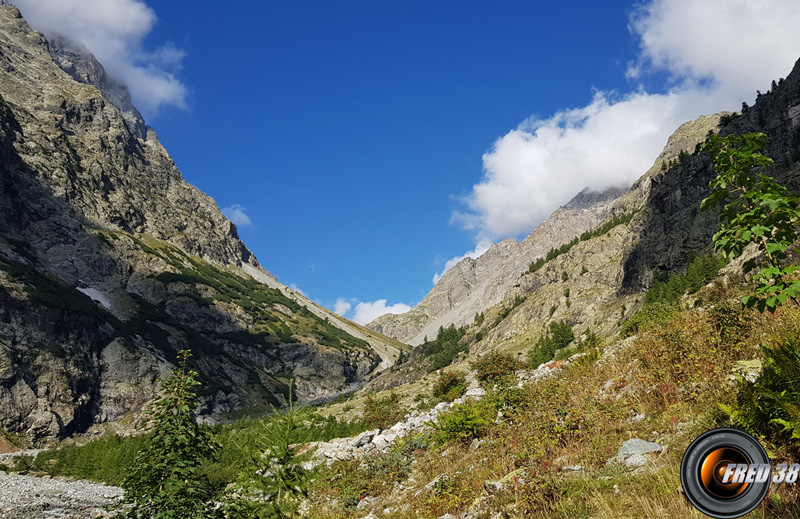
597,281
110,262
667,228
473,285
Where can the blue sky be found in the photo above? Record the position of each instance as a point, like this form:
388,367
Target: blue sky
364,146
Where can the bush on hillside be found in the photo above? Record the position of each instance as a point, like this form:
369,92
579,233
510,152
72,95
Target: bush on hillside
496,368
383,412
463,422
450,385
558,335
770,406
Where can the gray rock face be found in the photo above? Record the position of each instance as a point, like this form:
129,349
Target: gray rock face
110,263
76,60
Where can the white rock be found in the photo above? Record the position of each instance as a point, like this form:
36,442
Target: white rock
635,460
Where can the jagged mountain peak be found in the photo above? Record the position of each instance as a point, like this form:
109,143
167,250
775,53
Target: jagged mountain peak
77,61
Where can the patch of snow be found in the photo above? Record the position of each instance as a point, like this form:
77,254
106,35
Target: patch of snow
97,296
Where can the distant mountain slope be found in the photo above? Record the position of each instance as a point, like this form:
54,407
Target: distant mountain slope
600,282
110,262
473,285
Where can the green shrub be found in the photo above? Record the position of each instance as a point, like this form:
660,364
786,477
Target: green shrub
450,385
106,459
496,368
508,400
383,412
462,422
759,211
589,344
648,317
274,479
441,351
164,481
558,335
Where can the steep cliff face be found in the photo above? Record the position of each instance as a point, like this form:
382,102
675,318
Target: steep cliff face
110,262
671,225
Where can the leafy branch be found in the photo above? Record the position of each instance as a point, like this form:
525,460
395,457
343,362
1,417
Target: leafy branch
760,211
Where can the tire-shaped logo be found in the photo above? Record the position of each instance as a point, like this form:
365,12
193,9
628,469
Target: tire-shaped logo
706,464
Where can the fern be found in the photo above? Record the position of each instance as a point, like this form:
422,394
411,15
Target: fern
770,406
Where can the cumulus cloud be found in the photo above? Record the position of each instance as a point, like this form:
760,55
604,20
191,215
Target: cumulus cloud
739,45
716,52
365,312
342,307
113,30
479,249
236,214
368,312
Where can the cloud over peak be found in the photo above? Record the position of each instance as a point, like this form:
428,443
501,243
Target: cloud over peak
716,52
113,30
366,312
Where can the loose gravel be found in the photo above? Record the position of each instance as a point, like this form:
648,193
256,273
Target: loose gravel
32,497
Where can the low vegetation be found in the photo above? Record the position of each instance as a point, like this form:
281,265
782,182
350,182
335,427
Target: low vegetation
663,298
558,335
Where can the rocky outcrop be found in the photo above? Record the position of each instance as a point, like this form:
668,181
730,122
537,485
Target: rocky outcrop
110,263
671,226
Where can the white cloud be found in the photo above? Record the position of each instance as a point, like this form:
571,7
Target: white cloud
113,30
368,312
236,214
296,288
342,307
717,53
479,249
738,44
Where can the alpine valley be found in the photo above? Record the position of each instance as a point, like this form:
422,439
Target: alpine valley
110,263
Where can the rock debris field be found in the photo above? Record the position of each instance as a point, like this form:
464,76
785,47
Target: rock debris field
32,497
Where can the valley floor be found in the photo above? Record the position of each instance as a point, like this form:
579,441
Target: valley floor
32,497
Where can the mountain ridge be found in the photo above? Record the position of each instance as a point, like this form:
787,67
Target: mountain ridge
110,262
